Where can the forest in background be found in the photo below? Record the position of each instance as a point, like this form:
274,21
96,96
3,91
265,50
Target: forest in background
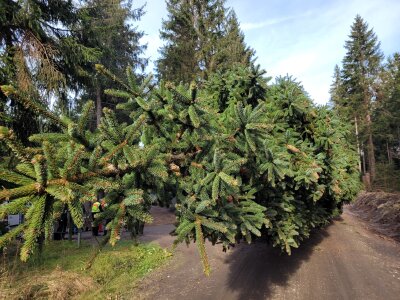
270,139
366,93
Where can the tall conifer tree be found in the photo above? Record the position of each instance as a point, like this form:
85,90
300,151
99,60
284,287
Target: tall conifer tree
336,90
359,73
232,47
178,61
201,37
107,25
387,112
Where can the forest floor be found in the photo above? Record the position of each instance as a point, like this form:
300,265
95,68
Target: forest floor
62,273
345,260
381,210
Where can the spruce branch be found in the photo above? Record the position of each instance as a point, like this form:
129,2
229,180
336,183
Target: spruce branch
201,247
177,95
26,190
103,70
32,105
87,110
34,228
11,141
15,178
11,235
51,159
39,164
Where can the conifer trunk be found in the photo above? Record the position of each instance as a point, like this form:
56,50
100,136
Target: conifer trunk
388,153
370,148
98,105
358,145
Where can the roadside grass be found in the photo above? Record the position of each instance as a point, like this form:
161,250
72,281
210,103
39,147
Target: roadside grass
60,272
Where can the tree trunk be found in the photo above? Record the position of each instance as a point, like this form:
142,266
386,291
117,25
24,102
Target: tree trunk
364,164
388,153
70,226
371,150
98,105
358,145
398,135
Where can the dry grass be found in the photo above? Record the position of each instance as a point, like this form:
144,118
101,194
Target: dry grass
60,272
57,284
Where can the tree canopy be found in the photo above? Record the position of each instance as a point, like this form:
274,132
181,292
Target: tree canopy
50,48
201,37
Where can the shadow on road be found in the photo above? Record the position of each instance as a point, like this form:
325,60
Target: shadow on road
256,268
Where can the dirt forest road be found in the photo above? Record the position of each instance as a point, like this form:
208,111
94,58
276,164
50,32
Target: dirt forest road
343,261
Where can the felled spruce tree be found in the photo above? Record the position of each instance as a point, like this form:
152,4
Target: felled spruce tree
243,159
70,167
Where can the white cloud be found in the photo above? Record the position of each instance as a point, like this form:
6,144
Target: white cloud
270,22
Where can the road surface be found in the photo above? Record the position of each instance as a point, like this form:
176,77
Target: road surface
342,261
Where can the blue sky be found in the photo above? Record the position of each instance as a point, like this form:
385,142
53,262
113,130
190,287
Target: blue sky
302,38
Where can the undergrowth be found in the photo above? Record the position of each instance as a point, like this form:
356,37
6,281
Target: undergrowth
59,273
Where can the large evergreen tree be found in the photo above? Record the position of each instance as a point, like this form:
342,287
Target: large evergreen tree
276,167
232,48
200,37
178,62
108,26
387,112
336,91
37,55
51,48
354,98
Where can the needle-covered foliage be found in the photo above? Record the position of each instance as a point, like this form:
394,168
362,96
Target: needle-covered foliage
242,158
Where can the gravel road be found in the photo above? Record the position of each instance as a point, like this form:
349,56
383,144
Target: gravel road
342,261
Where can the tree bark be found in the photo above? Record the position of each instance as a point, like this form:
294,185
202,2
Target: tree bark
388,153
363,157
98,105
358,145
370,148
